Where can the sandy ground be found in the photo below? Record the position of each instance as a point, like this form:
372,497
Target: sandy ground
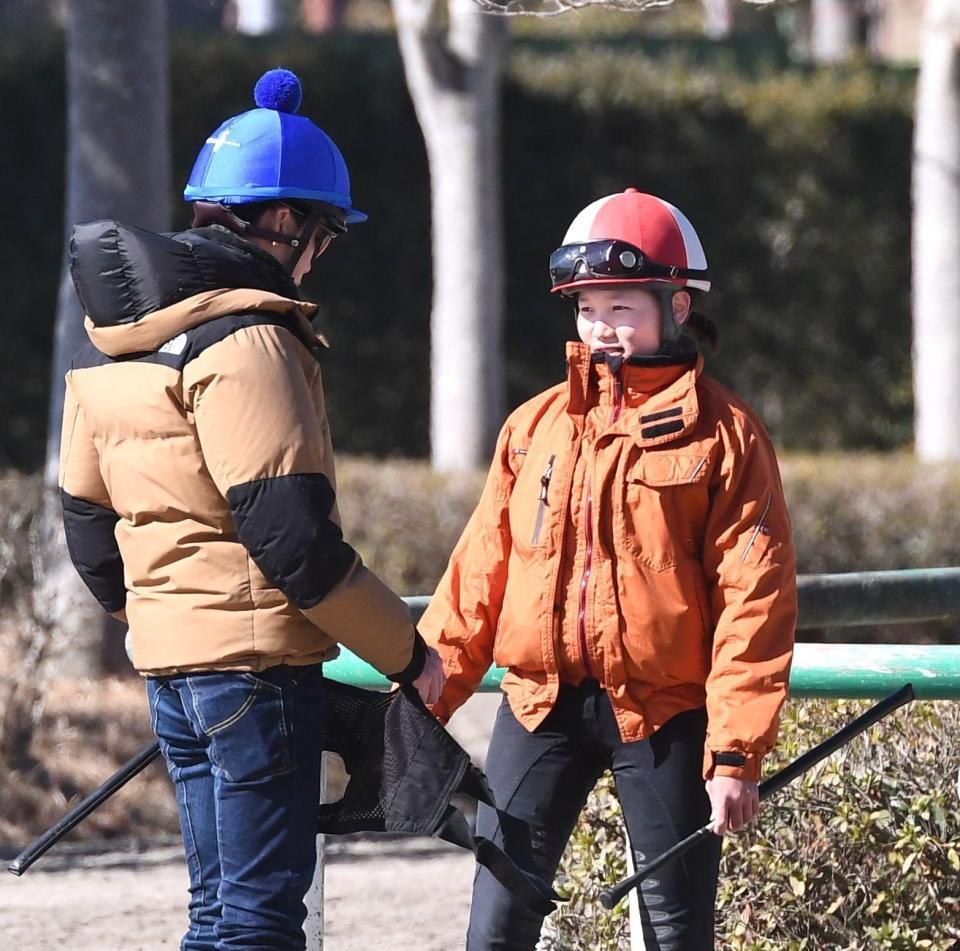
375,899
379,894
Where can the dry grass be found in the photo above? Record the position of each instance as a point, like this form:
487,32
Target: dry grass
849,513
85,731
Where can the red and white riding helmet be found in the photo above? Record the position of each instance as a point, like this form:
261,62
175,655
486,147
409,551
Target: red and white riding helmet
630,237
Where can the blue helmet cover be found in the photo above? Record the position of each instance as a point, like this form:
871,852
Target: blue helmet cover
271,152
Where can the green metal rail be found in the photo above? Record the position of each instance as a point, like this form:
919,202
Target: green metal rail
826,670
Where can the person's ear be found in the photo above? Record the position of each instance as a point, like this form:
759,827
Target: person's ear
275,218
283,219
682,305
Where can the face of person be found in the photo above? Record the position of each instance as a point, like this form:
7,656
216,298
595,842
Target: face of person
624,319
286,221
319,242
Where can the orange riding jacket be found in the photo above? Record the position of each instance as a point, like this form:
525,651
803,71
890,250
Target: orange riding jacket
632,528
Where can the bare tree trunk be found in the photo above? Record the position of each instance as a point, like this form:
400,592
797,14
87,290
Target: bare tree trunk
833,30
718,18
453,58
253,17
936,237
118,166
321,16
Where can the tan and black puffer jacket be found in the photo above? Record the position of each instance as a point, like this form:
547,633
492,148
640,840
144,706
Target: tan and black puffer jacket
196,466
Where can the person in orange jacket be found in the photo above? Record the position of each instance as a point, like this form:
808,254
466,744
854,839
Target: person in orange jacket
630,563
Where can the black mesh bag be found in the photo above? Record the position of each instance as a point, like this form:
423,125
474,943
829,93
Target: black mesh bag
404,768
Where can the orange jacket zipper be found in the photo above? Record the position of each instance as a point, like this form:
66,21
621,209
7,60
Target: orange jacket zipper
588,532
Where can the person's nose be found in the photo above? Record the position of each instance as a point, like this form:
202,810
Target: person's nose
603,331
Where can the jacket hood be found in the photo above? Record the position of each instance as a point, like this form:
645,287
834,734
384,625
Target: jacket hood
140,289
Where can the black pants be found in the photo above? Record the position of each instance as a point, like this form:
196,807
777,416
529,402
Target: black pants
543,779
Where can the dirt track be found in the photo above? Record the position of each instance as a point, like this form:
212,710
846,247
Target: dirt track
379,895
375,900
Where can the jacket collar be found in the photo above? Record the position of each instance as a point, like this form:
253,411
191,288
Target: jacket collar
151,332
660,403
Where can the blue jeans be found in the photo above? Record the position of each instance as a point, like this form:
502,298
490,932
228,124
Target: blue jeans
541,781
244,751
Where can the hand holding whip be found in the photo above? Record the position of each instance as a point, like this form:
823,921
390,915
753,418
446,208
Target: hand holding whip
610,897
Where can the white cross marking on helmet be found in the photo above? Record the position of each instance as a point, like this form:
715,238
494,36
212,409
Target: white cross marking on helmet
221,140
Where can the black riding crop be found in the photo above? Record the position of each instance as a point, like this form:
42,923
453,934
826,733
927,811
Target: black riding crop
609,897
83,808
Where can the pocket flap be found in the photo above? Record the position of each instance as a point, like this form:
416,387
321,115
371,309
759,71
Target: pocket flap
670,468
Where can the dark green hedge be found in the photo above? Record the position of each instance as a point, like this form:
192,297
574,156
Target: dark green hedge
797,180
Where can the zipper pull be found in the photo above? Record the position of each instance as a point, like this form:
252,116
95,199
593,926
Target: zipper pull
545,479
617,395
541,508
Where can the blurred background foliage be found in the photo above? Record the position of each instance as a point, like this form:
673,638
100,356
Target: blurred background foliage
796,177
850,512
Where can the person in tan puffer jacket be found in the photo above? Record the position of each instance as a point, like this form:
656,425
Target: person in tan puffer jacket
199,502
630,563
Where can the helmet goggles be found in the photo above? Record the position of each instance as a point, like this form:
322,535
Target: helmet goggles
611,260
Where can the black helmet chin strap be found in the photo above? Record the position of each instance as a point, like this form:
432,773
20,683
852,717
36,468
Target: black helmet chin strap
213,213
669,329
302,242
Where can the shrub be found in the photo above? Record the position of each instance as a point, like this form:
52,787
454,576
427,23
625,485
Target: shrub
404,519
863,512
86,729
26,640
850,513
859,854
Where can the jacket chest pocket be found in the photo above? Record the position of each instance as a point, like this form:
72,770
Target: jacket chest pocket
534,498
663,501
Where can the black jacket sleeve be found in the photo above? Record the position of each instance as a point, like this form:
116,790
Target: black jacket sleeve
88,520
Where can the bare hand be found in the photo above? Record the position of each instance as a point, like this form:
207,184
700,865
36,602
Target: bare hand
733,803
432,678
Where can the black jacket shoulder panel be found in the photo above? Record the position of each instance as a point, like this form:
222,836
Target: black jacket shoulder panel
285,523
213,331
89,356
177,352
